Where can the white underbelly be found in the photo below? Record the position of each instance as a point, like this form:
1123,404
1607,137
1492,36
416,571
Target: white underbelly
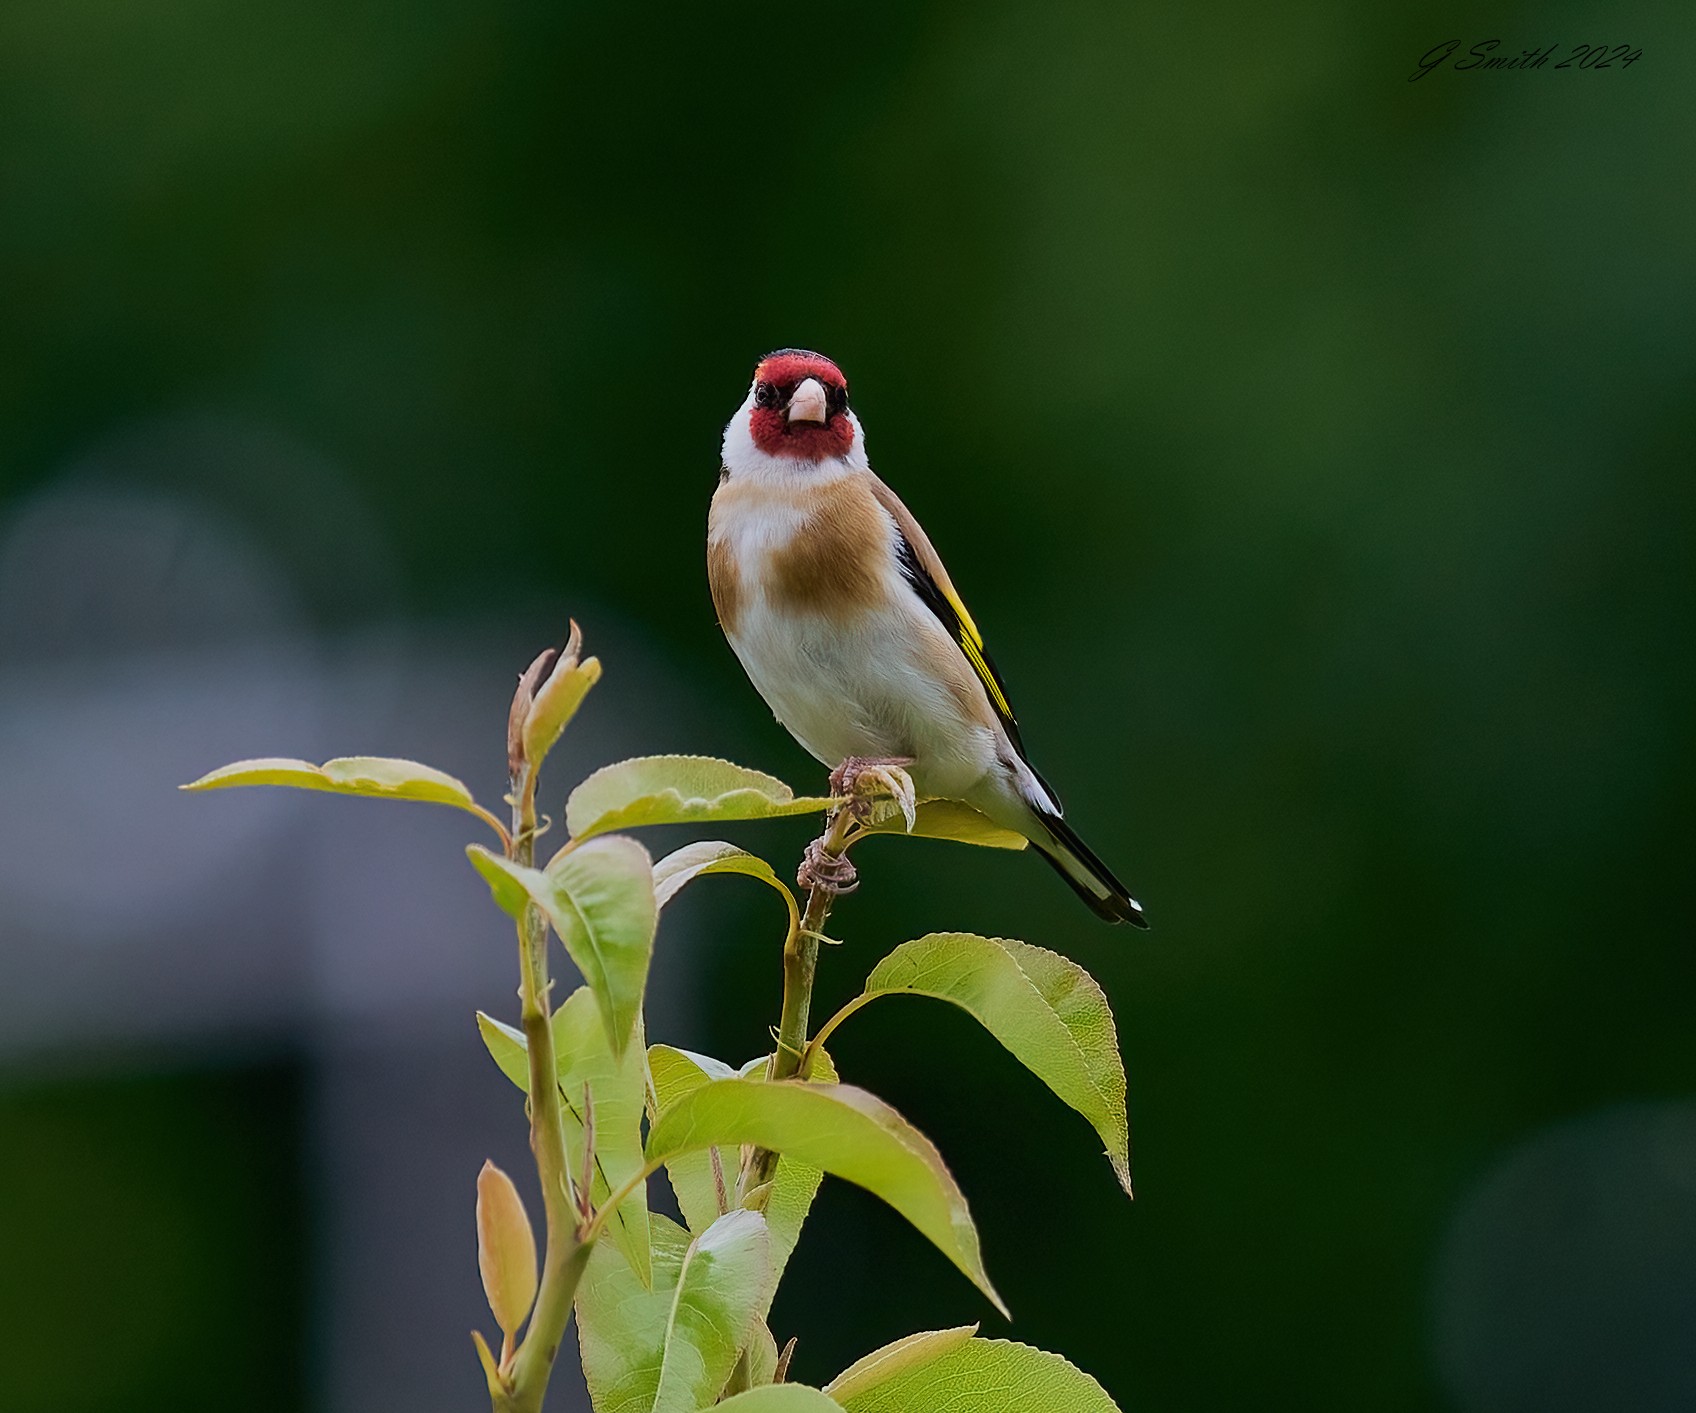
864,691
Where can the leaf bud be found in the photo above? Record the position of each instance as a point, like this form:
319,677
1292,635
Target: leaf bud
506,1250
518,714
557,698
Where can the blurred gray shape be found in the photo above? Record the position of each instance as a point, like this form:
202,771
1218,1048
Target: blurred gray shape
142,637
307,519
1567,1279
145,638
139,636
98,845
88,569
397,920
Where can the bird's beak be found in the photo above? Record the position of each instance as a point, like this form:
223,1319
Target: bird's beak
808,404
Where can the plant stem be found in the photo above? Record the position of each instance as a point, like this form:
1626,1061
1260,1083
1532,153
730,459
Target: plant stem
526,1376
801,956
800,965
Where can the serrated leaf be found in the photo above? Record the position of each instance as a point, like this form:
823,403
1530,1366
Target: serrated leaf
844,1131
1047,1010
906,1355
671,1348
782,1398
984,1376
378,777
951,819
714,856
600,900
678,790
582,1057
1081,1004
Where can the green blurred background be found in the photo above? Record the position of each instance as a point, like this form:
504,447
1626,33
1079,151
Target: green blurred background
1315,449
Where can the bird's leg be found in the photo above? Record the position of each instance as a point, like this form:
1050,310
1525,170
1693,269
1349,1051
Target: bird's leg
848,778
828,872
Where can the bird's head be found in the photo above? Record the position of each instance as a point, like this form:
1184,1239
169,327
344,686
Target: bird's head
796,410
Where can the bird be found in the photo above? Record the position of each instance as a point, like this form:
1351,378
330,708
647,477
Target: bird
841,613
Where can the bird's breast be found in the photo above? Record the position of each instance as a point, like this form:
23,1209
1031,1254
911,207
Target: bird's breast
812,597
823,551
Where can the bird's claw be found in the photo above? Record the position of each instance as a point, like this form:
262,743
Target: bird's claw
833,873
882,774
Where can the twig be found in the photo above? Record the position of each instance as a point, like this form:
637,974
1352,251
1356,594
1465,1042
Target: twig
800,965
525,1375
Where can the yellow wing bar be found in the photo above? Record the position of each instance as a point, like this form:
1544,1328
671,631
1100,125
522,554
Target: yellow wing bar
952,614
973,646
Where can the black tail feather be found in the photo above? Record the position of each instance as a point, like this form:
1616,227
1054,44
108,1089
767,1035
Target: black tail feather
1069,856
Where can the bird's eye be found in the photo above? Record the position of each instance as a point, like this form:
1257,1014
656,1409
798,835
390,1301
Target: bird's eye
764,394
837,398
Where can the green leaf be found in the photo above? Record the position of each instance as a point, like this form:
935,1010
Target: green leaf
762,1353
904,1356
843,1130
703,1191
724,1283
715,856
1044,1008
795,1183
951,819
618,1090
676,1071
705,1179
507,1048
557,699
511,884
671,1348
678,790
600,900
618,1087
556,704
781,1398
377,776
621,1326
982,1376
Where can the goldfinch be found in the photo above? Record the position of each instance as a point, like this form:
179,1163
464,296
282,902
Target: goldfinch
848,625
